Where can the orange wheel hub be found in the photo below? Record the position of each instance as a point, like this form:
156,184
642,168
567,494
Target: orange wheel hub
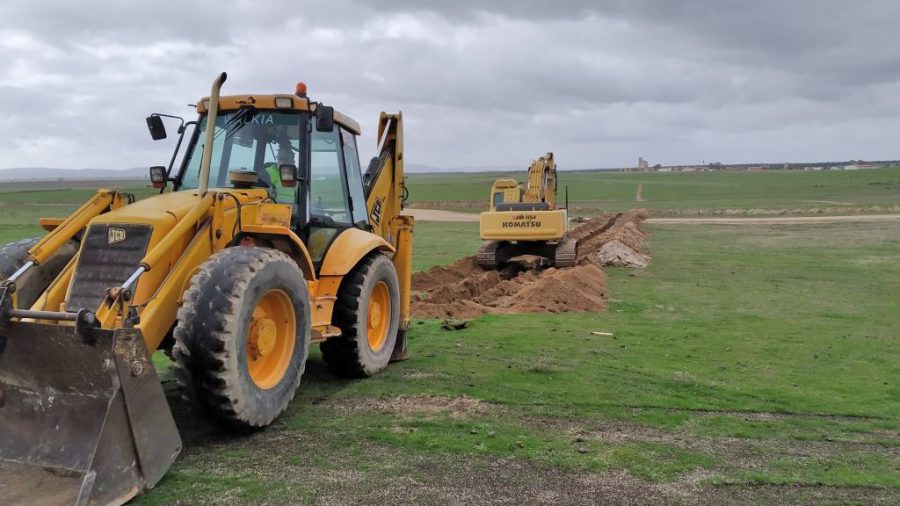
271,339
378,316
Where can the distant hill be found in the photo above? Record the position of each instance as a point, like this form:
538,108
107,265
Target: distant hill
418,168
141,173
414,168
46,174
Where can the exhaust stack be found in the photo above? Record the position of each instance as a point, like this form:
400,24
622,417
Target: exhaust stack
210,132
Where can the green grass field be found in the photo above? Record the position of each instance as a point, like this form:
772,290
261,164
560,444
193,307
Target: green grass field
666,193
750,364
23,204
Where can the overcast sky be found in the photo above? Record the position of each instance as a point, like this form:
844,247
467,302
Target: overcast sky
481,84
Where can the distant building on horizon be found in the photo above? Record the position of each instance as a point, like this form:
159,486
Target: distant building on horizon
861,166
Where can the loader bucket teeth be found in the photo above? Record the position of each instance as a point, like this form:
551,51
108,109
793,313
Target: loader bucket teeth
83,419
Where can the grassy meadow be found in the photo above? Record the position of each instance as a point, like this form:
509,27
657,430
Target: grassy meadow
22,204
750,364
676,193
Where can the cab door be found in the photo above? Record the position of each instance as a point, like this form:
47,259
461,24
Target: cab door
354,180
336,200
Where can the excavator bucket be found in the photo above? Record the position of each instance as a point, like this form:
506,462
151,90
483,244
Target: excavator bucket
83,417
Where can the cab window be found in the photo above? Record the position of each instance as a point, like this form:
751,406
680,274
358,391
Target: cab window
251,141
498,199
354,180
328,191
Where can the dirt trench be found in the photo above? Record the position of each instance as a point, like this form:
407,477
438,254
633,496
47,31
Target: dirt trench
465,290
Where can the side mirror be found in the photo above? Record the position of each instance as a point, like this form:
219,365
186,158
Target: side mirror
288,173
156,127
324,118
158,176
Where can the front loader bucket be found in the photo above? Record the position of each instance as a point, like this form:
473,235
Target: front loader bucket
83,418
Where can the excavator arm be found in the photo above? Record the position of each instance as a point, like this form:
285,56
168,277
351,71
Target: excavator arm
542,181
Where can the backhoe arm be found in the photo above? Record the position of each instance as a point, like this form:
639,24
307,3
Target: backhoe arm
383,181
385,189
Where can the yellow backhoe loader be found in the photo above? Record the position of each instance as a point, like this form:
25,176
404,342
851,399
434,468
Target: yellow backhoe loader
526,222
266,238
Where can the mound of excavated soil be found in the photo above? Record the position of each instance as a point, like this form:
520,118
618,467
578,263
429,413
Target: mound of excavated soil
465,290
617,254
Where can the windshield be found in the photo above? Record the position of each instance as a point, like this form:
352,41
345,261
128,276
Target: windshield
249,141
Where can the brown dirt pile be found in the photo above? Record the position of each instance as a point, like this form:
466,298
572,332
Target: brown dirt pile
613,240
618,254
465,290
601,230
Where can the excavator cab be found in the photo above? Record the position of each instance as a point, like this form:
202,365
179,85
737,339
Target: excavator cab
505,191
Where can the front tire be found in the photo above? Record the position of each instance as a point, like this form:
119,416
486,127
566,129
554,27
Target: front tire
243,334
367,311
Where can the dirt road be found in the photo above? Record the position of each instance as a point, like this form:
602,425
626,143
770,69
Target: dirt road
439,215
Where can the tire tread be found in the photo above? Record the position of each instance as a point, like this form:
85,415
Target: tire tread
344,354
202,335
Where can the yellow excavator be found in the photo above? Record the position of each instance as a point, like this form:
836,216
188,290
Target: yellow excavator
266,238
526,221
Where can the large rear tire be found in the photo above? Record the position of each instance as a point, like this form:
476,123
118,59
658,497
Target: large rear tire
367,311
33,283
243,334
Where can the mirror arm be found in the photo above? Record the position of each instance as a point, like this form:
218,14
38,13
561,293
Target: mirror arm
177,148
181,131
179,118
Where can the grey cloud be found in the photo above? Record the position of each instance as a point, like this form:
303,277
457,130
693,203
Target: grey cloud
480,83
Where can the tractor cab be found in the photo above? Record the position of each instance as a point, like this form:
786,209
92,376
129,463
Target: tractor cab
301,153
